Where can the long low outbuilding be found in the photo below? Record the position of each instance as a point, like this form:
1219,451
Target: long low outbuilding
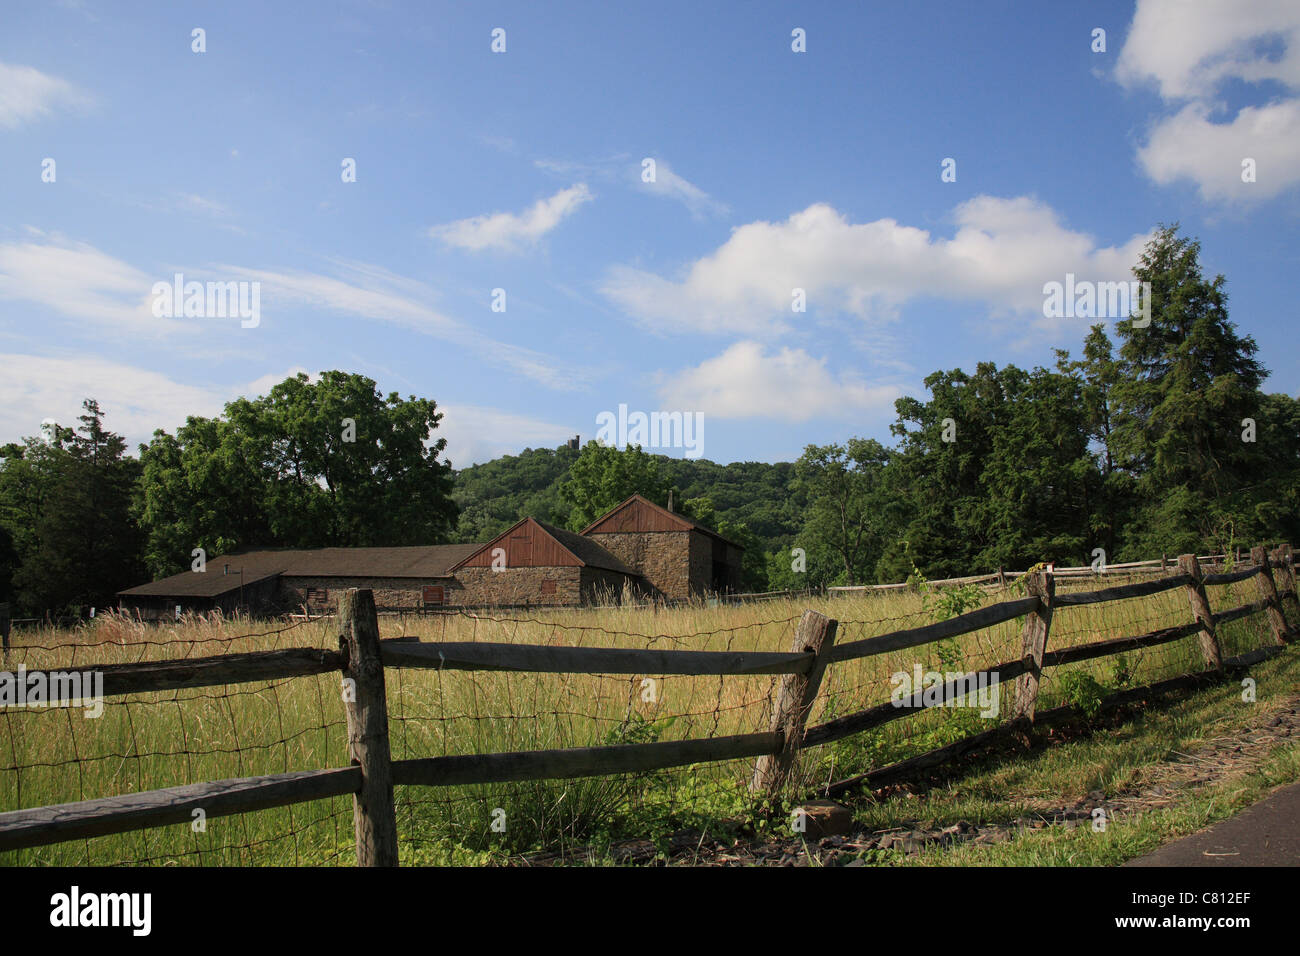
637,551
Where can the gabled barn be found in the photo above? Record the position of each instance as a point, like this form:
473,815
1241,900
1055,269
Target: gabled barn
636,550
678,557
537,563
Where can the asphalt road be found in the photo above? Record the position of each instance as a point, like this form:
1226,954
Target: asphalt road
1265,834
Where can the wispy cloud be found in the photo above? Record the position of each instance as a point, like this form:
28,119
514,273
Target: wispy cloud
375,293
136,401
27,94
669,185
201,204
509,232
627,170
80,281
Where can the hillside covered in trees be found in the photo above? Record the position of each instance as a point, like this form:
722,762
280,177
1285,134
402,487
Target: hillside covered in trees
1163,441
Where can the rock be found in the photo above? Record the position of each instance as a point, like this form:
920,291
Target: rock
825,818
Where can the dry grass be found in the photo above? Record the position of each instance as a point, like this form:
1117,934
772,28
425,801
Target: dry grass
165,739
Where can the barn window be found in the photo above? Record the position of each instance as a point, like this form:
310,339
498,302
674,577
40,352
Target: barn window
432,594
548,587
318,596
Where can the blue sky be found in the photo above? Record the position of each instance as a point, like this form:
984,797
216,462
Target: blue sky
523,171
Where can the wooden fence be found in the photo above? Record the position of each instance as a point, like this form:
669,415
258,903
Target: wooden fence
999,579
363,657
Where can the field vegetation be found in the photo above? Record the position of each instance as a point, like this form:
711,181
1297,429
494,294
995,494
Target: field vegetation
149,741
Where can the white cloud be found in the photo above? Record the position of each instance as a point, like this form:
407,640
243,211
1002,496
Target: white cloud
1002,253
373,292
135,400
672,186
476,434
506,231
1189,49
1190,146
80,281
26,94
788,385
1189,52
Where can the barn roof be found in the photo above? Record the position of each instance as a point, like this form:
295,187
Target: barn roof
587,551
421,561
583,550
211,583
609,522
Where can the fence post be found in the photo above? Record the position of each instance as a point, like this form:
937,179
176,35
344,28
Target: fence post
1200,604
373,813
1268,592
815,633
1041,584
1284,562
4,629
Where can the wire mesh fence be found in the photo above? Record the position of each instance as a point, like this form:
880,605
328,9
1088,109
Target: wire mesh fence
148,741
163,739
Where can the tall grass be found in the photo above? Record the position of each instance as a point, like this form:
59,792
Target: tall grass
148,741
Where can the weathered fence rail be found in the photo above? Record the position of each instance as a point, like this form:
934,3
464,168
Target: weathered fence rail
362,659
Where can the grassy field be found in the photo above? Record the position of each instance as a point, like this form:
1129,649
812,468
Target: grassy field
157,740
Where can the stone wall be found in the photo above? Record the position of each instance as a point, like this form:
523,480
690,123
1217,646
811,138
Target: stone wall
471,586
517,586
664,558
389,592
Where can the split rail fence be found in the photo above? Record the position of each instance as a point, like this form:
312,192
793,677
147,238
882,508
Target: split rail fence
363,659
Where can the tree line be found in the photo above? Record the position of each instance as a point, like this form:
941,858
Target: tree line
1162,442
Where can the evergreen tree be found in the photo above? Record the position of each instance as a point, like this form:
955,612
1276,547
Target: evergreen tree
85,547
1187,384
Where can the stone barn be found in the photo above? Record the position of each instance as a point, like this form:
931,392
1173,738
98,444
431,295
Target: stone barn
275,580
679,558
635,551
537,563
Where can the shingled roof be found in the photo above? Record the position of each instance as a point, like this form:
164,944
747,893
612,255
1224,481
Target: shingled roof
421,561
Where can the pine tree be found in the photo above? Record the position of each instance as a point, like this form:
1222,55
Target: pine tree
1187,384
85,546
